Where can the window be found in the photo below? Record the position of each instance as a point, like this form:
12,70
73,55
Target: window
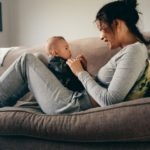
0,17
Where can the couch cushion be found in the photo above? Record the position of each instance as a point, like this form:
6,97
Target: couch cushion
127,121
15,53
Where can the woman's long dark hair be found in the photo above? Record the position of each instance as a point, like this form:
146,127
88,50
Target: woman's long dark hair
124,10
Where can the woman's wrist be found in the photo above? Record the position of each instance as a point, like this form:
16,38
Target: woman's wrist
79,70
79,73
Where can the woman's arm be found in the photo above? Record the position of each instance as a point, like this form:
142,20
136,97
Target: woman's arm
129,67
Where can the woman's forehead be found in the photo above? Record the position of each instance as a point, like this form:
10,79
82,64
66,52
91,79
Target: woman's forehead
101,24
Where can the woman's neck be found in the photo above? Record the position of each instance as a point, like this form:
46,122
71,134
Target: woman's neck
128,39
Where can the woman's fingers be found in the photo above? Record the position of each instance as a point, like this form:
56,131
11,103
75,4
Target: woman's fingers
75,65
70,61
83,61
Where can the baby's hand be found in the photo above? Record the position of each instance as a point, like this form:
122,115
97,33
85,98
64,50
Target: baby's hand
83,61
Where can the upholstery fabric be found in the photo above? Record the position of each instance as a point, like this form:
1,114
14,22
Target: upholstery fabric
121,122
25,122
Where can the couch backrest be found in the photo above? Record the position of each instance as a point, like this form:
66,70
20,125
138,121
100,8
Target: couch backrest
94,50
14,54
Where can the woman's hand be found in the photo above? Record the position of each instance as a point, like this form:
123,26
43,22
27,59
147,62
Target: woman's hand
75,65
83,61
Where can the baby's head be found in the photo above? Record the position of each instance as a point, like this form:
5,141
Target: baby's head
58,46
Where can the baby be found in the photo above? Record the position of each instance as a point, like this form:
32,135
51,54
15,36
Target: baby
58,48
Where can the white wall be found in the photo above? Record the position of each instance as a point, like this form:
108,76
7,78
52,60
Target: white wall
36,20
4,35
33,21
144,8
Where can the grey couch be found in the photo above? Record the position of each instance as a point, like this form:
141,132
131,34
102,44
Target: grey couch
120,126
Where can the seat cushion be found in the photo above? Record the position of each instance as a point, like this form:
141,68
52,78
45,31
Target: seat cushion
127,121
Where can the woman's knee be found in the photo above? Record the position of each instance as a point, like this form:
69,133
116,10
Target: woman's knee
42,58
28,56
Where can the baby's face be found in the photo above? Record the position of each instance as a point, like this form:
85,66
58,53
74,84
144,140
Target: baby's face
62,49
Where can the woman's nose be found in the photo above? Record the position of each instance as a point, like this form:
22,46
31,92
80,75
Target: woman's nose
101,36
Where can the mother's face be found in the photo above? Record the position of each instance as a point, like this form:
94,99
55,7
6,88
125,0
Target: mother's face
108,35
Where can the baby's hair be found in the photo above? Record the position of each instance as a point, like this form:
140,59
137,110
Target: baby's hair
55,38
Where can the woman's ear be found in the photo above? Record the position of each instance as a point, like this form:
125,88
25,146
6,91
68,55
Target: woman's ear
120,26
117,25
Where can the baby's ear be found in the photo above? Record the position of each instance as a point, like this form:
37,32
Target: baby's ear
53,52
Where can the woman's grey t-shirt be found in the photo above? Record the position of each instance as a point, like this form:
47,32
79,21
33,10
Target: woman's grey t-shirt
118,76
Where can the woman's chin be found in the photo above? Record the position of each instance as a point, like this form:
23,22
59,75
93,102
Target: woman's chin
109,45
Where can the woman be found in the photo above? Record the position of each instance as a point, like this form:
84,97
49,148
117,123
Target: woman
117,24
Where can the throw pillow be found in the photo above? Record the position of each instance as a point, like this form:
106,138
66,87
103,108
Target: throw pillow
142,86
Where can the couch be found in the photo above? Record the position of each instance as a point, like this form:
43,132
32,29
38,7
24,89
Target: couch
120,126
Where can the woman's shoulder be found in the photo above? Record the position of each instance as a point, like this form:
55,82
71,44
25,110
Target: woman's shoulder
131,52
137,49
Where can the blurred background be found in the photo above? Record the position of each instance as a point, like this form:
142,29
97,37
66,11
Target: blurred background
31,22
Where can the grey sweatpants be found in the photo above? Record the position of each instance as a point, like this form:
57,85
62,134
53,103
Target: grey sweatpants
29,73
